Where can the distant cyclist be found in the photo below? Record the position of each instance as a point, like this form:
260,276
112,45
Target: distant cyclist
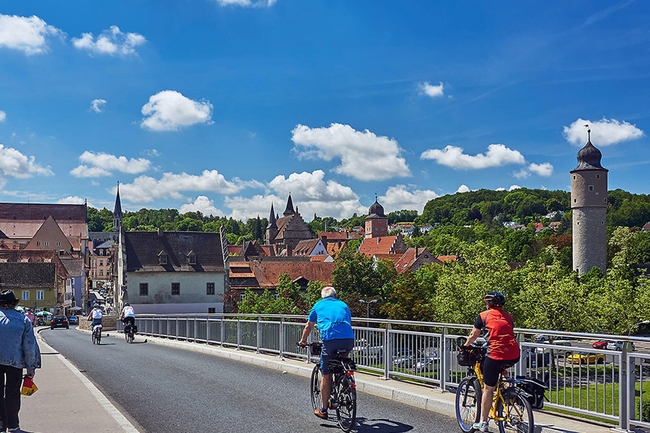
334,322
96,316
128,315
503,349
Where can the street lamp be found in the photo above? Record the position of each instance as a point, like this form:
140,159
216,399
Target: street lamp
363,301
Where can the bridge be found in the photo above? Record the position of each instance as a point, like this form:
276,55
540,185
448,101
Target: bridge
414,385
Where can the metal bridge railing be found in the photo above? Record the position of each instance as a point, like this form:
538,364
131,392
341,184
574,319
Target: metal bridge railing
609,384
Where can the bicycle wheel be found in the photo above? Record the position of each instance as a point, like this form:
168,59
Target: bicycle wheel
517,415
468,404
346,409
314,388
95,340
130,337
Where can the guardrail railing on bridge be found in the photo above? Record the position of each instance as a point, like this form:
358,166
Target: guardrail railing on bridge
612,384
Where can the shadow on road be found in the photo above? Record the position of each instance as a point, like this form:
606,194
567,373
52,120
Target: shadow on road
381,426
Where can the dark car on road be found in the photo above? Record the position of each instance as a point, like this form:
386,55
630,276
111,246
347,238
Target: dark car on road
59,322
72,320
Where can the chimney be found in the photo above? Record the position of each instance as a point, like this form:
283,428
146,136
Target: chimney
160,231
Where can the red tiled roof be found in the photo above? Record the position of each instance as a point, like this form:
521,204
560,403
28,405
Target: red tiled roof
267,273
446,259
335,236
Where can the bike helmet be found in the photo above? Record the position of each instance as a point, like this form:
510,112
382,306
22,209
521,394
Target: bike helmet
495,298
127,305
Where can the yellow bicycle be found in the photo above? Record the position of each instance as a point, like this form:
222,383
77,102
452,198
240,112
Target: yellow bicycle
510,410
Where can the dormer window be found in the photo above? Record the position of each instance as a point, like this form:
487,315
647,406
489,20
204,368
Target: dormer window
162,258
191,258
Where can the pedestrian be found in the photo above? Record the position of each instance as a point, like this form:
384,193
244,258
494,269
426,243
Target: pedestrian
18,350
30,315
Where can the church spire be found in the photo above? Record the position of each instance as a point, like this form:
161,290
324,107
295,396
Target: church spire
117,211
272,221
289,210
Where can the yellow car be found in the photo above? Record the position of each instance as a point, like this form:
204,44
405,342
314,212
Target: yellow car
586,358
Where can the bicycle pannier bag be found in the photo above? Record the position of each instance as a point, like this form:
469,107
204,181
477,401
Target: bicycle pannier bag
536,389
466,358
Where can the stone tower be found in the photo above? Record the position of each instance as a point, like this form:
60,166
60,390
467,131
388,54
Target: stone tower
589,208
118,215
376,223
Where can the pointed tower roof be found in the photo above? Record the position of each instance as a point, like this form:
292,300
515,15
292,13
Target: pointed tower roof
589,157
289,210
272,220
117,212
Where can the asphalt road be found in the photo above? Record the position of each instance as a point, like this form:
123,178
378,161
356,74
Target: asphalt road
161,389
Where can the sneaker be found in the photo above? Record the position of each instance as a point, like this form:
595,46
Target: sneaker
480,426
320,414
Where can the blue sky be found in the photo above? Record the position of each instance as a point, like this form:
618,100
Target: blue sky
227,106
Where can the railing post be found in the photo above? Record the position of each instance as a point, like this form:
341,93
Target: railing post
207,330
442,351
223,330
239,333
627,391
281,336
196,329
388,350
258,339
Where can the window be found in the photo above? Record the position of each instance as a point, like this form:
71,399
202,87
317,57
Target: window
101,273
590,187
58,244
209,288
191,259
176,288
40,295
46,243
93,264
101,263
38,243
211,310
144,289
25,295
162,259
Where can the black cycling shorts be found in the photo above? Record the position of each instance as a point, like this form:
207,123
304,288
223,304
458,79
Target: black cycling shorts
493,367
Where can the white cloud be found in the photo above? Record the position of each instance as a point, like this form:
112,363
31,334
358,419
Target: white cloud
310,194
97,104
3,116
521,174
27,34
463,188
431,90
246,3
71,199
103,164
364,155
452,156
145,189
111,42
15,164
603,132
514,187
201,204
545,169
170,110
398,197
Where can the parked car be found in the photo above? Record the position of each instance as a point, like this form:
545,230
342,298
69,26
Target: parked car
618,345
600,344
73,320
586,358
59,322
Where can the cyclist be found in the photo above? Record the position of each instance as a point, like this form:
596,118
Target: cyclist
503,349
128,316
96,316
334,321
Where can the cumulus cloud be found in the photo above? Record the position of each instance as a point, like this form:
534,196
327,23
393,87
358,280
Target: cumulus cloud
545,169
431,90
603,132
246,3
145,189
3,116
170,110
463,188
15,164
26,34
71,199
103,164
201,204
310,193
112,42
398,197
364,155
97,104
452,156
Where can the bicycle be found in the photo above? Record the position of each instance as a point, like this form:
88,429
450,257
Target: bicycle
129,333
510,409
343,397
97,334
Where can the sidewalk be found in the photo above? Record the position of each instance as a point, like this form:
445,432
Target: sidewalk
66,401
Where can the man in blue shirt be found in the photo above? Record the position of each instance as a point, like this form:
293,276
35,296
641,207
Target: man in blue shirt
334,321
